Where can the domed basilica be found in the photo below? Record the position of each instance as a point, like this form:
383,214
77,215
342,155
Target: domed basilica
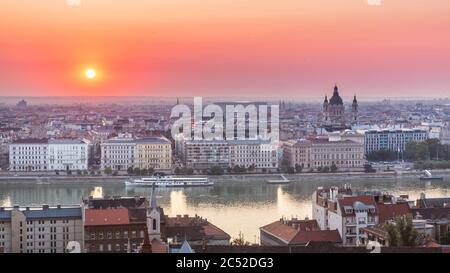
333,113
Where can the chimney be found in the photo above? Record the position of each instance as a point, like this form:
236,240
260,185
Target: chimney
27,208
422,196
45,207
58,206
16,206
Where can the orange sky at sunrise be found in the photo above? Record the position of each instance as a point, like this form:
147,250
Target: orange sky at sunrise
291,48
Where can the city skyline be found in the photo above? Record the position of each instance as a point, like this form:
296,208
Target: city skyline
186,48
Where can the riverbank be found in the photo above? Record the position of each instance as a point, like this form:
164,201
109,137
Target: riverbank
44,179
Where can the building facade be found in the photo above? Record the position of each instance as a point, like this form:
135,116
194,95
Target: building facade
153,152
41,229
118,153
257,153
68,154
349,213
121,153
28,155
316,153
393,140
204,154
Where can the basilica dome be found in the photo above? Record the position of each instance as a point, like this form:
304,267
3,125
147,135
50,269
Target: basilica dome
336,99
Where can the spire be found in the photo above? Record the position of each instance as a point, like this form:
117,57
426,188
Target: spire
326,99
146,245
354,99
336,90
153,204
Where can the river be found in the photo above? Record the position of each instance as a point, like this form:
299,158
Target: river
235,205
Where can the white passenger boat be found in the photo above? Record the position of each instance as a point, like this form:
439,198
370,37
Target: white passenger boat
170,181
284,180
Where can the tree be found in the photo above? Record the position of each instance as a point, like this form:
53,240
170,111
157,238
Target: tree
79,173
401,232
108,171
130,171
284,166
216,170
290,170
333,168
368,168
251,168
383,155
298,168
240,241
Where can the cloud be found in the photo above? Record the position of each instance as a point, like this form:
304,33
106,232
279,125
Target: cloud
73,2
374,2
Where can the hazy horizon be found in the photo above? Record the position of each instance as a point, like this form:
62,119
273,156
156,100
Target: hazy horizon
265,48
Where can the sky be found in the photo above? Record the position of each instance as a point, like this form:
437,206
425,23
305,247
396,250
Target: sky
249,48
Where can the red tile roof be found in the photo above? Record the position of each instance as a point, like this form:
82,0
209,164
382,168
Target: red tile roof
390,211
105,217
304,237
280,230
295,232
350,200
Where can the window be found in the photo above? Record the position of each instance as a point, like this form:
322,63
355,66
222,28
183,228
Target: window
92,235
154,224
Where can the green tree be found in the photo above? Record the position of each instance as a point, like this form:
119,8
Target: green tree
402,232
108,171
298,168
240,241
333,168
216,170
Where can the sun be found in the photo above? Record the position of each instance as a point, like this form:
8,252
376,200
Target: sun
90,73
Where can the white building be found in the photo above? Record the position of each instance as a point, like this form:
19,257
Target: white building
28,155
67,154
337,208
392,139
40,229
258,153
118,153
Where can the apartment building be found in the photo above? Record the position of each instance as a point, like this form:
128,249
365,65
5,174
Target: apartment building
392,139
257,153
320,152
118,153
41,229
153,152
28,155
204,154
121,153
67,154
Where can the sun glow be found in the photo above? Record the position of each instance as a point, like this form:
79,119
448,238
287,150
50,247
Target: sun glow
90,73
